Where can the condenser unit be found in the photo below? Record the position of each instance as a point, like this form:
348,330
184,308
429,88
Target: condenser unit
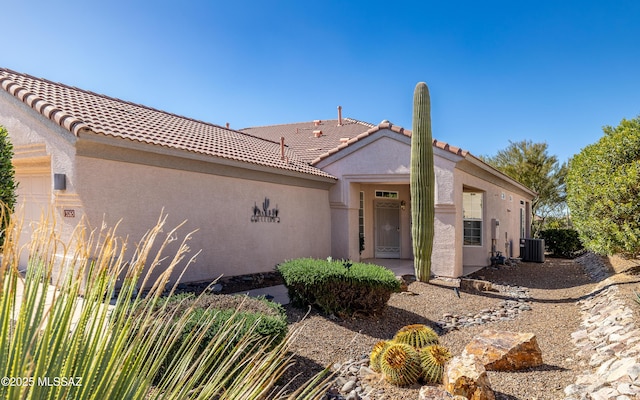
532,250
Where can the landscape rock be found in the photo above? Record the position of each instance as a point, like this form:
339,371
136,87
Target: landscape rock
478,285
607,340
516,298
505,351
467,377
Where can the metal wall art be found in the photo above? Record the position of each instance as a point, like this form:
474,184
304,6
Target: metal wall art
265,214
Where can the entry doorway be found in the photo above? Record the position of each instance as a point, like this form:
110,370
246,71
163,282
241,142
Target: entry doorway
387,229
34,200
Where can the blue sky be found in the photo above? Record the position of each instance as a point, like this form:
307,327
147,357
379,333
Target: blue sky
546,71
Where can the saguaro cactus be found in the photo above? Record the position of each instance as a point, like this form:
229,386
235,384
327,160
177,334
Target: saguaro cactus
422,183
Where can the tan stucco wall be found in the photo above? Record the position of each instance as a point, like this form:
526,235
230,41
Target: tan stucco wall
383,163
101,188
219,207
38,155
377,161
499,203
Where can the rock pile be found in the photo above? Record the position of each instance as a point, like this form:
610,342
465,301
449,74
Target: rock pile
593,266
352,382
508,309
609,347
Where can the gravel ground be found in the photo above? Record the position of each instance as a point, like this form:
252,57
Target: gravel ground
554,287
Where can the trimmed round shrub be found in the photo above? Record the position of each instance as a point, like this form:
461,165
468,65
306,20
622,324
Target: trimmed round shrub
339,287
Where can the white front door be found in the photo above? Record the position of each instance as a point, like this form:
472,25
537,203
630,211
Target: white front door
387,227
34,201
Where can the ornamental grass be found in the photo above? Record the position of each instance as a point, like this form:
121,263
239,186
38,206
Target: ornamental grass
66,341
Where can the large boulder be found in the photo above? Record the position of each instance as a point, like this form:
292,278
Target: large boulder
505,351
466,377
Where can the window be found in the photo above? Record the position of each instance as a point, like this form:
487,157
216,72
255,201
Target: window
472,218
522,224
386,194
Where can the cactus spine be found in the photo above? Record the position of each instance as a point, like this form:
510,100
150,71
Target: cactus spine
413,354
400,364
433,358
376,353
417,336
422,183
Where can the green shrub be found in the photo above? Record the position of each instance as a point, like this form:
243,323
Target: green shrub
342,288
263,319
8,184
603,191
562,242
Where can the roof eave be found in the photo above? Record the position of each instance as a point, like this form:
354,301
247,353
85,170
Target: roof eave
90,136
494,171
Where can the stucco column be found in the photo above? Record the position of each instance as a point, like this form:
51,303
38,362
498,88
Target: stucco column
447,252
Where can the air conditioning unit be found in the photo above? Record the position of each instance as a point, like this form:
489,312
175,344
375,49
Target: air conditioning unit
532,250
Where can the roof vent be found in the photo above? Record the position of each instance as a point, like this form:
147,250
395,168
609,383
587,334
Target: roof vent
227,125
316,122
317,133
339,115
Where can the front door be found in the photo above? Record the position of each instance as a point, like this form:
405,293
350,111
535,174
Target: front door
387,226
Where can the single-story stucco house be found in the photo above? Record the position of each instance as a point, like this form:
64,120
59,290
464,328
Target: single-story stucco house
257,196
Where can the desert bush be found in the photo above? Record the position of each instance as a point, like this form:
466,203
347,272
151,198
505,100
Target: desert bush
338,287
263,319
603,191
105,351
562,242
8,184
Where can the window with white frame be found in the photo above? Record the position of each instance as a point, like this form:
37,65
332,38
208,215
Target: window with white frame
386,194
472,218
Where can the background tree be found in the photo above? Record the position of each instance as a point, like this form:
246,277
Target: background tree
530,164
8,185
422,182
603,191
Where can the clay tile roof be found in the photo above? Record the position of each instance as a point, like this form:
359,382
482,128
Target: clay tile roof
78,110
299,136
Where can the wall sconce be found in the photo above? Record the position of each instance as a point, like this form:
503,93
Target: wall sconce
59,182
403,205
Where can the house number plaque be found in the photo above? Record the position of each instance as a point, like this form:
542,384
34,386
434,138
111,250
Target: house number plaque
265,214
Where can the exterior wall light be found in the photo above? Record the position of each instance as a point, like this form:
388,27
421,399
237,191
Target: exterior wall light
59,182
403,205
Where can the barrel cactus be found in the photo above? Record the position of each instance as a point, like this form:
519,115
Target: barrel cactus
400,364
422,183
432,359
417,336
376,353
